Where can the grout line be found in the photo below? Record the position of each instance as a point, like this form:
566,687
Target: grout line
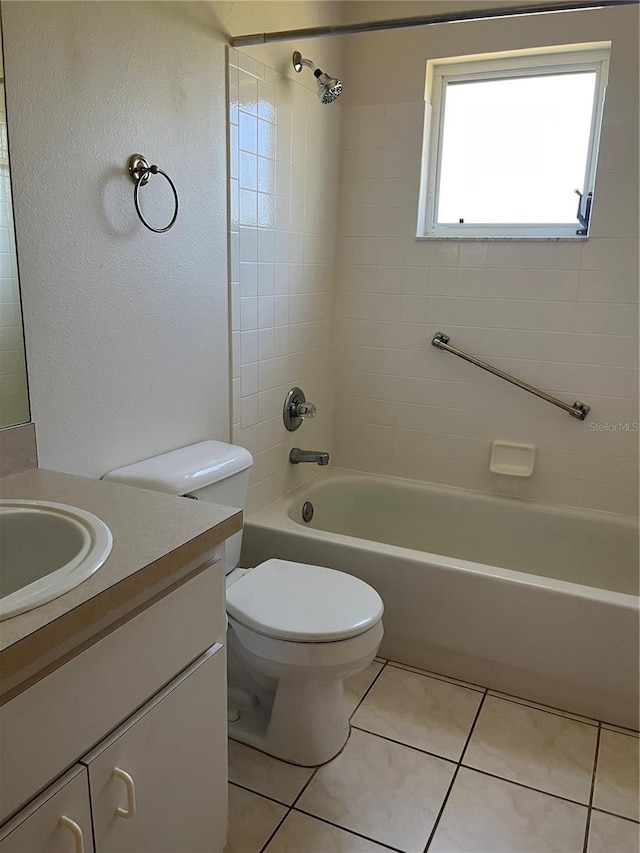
307,783
522,785
288,812
618,730
547,709
278,825
619,816
517,700
407,745
473,725
259,794
468,685
350,831
591,791
455,775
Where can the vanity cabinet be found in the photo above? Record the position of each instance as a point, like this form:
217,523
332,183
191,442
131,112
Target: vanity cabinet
140,717
58,821
158,784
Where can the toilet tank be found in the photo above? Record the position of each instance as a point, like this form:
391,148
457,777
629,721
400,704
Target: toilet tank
210,471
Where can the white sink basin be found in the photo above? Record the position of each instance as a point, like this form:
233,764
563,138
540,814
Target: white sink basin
46,549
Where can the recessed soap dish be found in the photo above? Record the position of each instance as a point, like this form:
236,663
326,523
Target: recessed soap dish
514,460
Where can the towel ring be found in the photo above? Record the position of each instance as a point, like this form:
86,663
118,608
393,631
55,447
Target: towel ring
140,171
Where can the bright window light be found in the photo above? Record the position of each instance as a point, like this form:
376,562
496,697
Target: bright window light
509,142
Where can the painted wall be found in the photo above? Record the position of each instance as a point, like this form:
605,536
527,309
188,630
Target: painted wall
559,315
284,147
127,331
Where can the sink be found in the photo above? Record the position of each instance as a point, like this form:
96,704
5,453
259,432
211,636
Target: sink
46,549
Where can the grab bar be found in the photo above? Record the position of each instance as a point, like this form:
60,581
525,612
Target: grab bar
577,410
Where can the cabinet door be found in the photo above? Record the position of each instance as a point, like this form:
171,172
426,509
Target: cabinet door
158,784
58,821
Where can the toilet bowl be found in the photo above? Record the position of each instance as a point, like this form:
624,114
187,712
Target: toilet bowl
295,631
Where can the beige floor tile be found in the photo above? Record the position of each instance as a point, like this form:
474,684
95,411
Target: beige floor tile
608,834
380,789
526,745
300,833
356,686
616,789
419,711
266,775
486,815
252,819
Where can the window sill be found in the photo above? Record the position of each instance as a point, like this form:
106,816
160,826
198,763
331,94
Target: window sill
520,239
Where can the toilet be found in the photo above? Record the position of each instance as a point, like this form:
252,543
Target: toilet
295,631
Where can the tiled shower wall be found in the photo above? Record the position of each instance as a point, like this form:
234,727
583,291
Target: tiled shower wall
284,147
562,316
14,407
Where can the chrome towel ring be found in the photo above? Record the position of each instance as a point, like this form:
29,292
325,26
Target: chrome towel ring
140,171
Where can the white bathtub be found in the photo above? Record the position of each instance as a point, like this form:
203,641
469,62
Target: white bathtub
536,600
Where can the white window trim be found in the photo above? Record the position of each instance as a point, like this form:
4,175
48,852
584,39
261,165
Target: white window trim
537,61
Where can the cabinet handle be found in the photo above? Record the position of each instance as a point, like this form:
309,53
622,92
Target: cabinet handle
75,830
131,793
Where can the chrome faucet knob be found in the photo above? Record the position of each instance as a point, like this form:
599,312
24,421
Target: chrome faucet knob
296,409
305,410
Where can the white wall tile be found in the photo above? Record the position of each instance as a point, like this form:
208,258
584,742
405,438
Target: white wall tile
248,138
283,259
562,315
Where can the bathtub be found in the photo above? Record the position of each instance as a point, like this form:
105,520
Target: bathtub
535,600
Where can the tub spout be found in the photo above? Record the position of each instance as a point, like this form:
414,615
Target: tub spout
317,456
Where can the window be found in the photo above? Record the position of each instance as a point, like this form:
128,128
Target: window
509,138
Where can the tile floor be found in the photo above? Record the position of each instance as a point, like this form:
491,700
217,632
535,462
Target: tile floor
435,764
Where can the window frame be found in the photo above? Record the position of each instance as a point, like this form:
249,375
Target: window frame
535,62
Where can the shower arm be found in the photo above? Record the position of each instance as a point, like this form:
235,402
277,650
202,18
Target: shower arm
299,61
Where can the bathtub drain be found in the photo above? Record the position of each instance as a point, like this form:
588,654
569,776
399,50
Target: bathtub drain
307,511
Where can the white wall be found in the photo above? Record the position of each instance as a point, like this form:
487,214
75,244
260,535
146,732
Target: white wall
561,316
284,186
126,330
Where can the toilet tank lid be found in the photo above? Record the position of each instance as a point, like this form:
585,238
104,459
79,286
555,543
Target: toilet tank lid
183,471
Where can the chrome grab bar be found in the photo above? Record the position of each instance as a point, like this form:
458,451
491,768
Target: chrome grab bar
577,410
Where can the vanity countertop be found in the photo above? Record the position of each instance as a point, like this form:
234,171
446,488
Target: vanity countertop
159,541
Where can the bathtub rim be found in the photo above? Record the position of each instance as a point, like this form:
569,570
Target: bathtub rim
277,515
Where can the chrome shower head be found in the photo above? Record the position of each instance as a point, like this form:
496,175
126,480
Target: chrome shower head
329,88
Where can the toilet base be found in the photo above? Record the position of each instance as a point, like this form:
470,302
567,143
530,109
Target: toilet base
308,723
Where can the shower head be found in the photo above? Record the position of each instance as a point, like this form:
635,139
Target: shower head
329,88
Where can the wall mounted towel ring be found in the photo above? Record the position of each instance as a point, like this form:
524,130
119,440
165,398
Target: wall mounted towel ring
140,172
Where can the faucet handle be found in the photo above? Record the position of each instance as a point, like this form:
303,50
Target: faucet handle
304,410
296,409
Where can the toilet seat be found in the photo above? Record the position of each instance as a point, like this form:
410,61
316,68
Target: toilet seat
290,660
304,604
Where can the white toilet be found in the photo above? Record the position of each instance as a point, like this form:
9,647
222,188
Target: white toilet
295,631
